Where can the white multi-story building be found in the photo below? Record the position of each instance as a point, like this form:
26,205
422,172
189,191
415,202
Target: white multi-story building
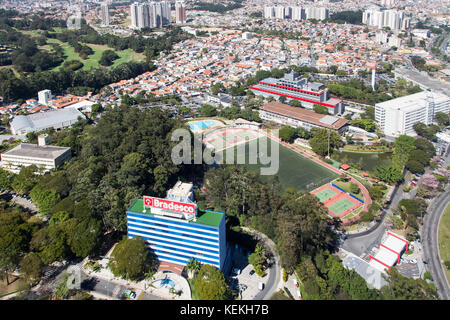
150,15
298,13
180,12
42,155
394,19
318,13
269,12
280,12
44,97
105,14
397,116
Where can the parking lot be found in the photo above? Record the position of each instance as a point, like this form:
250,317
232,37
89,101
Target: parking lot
243,278
409,269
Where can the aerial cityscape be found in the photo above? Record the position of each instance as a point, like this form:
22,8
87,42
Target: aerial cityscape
225,150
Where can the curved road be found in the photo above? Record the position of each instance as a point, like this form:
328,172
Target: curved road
431,245
275,269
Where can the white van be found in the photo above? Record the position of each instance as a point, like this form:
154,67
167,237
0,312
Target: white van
260,285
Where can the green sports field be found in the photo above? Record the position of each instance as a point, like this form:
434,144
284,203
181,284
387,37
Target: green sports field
340,206
325,195
294,171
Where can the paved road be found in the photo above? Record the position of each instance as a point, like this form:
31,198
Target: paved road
430,243
275,269
362,243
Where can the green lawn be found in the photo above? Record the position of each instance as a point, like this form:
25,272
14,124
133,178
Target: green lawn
346,187
294,170
15,285
92,60
444,239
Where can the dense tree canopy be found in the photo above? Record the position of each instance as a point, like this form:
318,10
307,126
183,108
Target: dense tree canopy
209,284
131,259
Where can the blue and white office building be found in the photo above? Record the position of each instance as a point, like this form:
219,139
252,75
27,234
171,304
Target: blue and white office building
175,239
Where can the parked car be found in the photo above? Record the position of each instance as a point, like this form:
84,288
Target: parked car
129,294
260,285
252,272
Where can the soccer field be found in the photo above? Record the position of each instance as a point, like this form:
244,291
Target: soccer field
294,171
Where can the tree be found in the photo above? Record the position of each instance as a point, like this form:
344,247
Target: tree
14,238
130,259
296,103
210,284
287,134
354,188
388,173
319,141
402,288
31,265
426,146
25,180
442,118
282,99
107,58
415,166
6,179
318,108
296,218
50,244
83,236
45,199
192,267
208,110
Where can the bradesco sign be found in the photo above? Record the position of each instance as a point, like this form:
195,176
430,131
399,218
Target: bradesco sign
158,203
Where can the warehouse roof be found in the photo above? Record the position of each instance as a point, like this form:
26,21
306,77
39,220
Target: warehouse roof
309,116
45,119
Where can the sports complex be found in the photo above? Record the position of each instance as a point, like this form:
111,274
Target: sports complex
338,201
301,172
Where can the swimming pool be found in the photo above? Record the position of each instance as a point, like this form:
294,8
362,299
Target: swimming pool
164,282
203,124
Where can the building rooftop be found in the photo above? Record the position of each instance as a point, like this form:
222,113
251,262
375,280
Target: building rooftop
301,114
371,274
45,119
35,151
204,217
182,189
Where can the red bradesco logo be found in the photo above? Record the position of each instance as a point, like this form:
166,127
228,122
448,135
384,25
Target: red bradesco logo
159,203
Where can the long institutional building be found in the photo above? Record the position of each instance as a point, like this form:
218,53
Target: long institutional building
175,236
398,116
295,88
42,155
299,117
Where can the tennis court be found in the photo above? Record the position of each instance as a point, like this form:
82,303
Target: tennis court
228,137
325,194
338,202
340,206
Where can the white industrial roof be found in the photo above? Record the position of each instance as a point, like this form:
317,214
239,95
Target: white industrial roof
375,264
386,256
394,243
413,101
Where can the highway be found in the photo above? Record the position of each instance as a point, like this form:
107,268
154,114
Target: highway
430,239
